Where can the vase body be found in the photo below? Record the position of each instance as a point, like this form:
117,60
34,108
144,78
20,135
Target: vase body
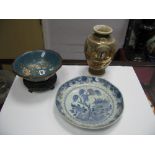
99,49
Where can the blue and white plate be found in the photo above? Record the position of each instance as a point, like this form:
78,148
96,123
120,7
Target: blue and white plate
89,102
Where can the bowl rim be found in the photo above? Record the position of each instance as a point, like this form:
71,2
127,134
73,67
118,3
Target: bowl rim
37,78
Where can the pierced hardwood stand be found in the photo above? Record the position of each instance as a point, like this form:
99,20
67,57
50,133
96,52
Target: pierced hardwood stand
40,86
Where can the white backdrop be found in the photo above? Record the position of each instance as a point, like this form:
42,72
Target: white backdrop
67,36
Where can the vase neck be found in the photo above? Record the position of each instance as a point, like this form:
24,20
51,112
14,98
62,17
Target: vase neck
103,30
101,35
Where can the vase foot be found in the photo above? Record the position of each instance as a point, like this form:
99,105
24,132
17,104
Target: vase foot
96,72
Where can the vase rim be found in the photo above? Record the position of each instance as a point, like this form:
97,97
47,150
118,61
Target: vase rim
102,29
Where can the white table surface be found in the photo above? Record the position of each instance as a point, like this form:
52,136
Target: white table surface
36,113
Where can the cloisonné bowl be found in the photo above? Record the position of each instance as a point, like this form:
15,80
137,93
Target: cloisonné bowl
37,65
89,102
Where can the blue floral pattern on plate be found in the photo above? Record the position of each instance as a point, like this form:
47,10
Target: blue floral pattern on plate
89,102
86,109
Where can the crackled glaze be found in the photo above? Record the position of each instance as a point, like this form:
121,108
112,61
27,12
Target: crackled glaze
99,49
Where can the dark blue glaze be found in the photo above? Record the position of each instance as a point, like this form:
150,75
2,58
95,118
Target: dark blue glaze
38,65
